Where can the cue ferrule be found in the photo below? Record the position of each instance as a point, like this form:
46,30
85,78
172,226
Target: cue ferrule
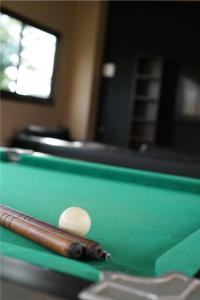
105,256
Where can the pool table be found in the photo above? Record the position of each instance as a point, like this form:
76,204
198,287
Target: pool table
149,222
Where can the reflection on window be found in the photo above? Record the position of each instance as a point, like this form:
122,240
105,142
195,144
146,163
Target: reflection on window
188,96
27,58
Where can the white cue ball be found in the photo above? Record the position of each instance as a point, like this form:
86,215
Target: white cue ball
75,220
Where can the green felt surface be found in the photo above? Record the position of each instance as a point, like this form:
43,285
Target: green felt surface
136,215
186,253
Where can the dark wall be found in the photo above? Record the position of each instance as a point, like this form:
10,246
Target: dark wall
167,29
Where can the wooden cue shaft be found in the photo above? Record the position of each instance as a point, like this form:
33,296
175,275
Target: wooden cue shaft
91,247
50,240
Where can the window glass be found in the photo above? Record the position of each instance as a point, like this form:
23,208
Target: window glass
188,96
27,58
10,32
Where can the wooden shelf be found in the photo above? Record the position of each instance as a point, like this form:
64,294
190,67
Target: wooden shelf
147,77
141,139
143,120
144,98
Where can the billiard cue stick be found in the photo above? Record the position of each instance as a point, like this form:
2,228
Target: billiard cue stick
91,248
50,240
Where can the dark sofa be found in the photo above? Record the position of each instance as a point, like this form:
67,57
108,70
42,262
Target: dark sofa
149,158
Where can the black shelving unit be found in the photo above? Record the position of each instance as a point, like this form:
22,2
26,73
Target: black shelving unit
146,98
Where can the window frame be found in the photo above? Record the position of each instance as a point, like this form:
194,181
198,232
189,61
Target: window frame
10,96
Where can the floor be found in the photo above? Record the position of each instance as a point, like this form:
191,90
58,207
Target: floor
10,291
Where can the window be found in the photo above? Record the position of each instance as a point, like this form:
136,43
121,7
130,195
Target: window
27,59
188,94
